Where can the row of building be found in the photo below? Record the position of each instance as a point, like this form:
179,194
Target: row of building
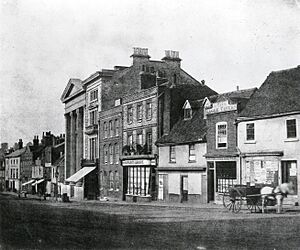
36,168
151,131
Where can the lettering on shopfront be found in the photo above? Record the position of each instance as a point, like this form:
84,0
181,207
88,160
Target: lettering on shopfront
220,107
139,162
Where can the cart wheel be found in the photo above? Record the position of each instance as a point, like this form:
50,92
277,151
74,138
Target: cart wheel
228,200
254,205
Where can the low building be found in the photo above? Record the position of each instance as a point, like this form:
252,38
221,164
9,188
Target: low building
222,156
182,166
268,132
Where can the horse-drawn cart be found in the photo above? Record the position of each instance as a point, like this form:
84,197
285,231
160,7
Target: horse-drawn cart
240,195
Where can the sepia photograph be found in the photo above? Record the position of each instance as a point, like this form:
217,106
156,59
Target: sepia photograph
150,124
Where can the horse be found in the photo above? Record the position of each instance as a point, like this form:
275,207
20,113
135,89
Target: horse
278,193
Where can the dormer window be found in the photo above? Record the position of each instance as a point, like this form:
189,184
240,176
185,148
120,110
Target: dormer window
187,111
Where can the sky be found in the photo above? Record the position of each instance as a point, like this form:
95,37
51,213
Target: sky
43,44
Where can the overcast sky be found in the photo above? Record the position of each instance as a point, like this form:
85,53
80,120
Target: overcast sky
44,43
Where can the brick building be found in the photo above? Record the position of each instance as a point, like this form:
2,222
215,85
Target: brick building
221,112
110,135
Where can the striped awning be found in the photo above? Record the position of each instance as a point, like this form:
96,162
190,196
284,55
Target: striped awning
28,182
80,174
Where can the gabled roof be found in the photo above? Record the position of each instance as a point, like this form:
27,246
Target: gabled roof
186,131
73,88
234,95
17,153
278,94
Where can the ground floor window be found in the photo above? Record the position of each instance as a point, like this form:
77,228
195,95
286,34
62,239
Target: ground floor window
225,175
138,180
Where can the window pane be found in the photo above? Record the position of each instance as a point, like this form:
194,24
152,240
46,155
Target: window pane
291,128
250,131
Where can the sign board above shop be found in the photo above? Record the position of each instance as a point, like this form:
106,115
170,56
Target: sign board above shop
220,107
139,162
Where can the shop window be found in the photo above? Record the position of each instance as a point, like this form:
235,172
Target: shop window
291,128
225,175
138,181
139,138
149,110
250,132
172,154
129,114
192,153
221,134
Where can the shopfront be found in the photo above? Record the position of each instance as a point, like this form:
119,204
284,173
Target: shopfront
139,179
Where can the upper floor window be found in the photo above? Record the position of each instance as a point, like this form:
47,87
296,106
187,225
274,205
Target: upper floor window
250,132
129,139
93,117
172,154
139,138
92,148
291,128
192,153
149,110
117,181
111,131
129,114
117,125
105,129
139,111
105,154
149,141
187,113
111,180
117,153
221,134
94,95
111,154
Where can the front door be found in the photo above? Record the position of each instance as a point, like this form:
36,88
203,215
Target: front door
184,188
211,185
289,173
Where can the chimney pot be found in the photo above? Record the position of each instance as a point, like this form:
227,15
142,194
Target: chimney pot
237,88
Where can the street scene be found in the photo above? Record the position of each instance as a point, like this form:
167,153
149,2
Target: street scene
150,124
32,224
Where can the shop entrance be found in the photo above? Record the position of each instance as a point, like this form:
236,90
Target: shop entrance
289,173
225,175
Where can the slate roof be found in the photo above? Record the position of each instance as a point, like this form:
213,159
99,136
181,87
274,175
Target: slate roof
278,94
17,153
185,131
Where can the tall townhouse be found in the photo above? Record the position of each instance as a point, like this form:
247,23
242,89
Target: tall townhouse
18,165
221,112
110,137
182,173
268,133
153,93
3,152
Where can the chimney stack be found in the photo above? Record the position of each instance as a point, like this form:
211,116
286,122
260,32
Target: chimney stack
172,57
140,55
237,87
20,144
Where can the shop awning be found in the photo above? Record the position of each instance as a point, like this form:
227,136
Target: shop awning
39,181
80,174
28,182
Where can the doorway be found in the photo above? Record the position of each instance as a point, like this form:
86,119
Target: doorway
289,173
184,188
210,182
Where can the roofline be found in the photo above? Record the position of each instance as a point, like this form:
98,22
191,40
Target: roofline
242,119
73,96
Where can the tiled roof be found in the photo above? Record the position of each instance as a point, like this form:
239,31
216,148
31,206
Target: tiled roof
278,94
184,131
234,95
17,153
